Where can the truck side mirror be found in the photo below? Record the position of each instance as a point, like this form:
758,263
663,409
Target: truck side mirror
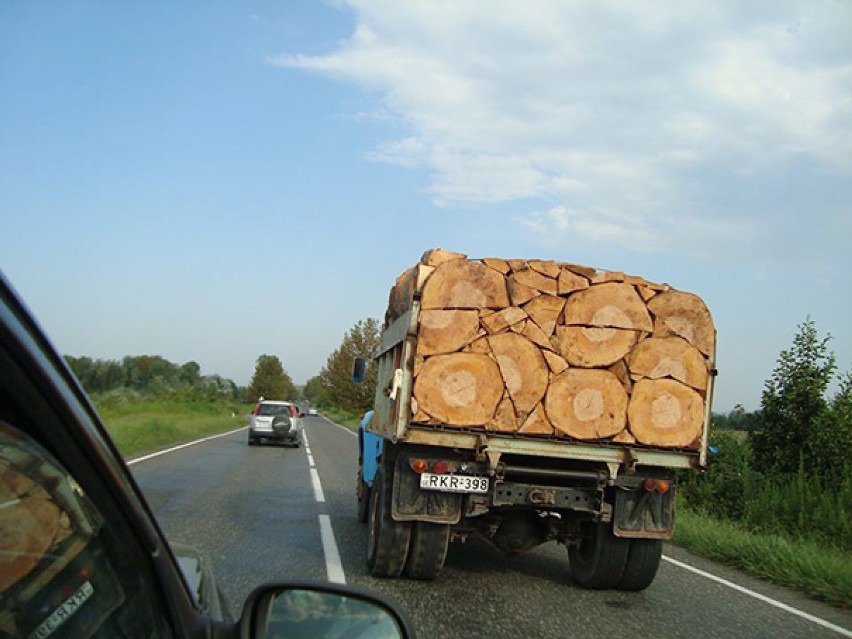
359,370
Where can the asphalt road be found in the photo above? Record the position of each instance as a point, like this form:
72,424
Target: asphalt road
254,513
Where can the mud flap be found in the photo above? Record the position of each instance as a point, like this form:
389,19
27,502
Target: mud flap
412,503
640,514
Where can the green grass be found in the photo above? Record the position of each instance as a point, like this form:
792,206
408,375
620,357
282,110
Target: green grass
342,417
146,426
821,572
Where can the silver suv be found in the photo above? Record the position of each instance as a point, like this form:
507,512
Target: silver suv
275,421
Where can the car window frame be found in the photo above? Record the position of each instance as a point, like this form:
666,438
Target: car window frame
48,404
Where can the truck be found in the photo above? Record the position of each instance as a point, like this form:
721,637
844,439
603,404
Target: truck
529,401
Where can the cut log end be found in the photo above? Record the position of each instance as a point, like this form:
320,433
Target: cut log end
665,413
587,404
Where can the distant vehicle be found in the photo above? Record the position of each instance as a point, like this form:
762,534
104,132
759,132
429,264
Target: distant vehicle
82,555
312,412
275,421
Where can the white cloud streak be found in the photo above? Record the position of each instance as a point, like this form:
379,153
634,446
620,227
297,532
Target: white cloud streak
611,112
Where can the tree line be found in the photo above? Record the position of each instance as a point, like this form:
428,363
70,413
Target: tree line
150,376
153,376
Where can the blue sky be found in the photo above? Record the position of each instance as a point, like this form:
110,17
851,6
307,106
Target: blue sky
211,181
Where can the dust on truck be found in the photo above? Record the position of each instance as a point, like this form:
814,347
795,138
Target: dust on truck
530,401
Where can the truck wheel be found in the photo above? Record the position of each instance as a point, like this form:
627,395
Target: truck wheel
643,561
387,546
598,561
363,491
427,551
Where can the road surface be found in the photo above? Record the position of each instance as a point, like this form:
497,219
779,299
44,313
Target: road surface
268,513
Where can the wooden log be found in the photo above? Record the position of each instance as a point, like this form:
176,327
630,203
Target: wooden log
593,347
459,389
537,423
523,368
545,267
464,284
674,357
545,311
520,293
533,333
624,437
568,282
587,404
497,264
536,280
622,372
505,420
446,331
611,305
408,283
436,257
586,271
666,413
602,277
516,265
479,345
556,363
501,320
684,314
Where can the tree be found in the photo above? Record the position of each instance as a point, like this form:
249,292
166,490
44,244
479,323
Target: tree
270,380
795,419
362,340
315,391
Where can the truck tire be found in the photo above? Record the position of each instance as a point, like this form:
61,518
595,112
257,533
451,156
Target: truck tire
643,561
363,493
598,561
427,550
387,545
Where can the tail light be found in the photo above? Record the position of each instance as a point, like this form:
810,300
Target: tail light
661,486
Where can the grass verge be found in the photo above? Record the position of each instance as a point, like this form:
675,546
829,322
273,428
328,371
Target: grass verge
151,425
342,417
823,573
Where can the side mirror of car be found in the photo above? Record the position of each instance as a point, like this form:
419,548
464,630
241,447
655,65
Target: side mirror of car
359,370
284,611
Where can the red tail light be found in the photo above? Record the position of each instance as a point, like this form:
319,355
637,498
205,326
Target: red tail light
440,467
650,484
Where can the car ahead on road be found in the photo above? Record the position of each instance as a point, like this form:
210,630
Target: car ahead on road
81,554
275,421
312,412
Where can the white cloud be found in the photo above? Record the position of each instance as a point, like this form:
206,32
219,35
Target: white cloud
617,112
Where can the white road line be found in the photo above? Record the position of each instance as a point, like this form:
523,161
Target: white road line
311,461
333,565
187,444
763,598
315,480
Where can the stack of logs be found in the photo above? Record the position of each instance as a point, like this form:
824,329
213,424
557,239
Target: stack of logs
556,349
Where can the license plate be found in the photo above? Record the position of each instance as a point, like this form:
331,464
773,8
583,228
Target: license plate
454,483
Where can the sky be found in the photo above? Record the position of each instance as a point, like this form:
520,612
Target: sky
213,181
